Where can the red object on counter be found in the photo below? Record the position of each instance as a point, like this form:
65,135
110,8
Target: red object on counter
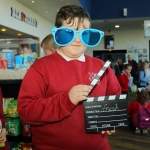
3,63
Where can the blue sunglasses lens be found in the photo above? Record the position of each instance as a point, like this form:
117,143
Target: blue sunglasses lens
91,37
64,36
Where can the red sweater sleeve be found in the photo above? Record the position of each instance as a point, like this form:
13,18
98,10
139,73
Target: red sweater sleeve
148,105
124,81
40,109
2,117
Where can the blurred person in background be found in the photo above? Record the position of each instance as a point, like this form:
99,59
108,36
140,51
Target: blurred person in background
3,119
48,45
134,70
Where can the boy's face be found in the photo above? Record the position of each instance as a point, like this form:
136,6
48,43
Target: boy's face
128,70
76,48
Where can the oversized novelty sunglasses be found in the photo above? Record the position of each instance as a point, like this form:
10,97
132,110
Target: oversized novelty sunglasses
64,36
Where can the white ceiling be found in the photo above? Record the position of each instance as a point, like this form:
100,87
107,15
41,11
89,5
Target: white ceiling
52,6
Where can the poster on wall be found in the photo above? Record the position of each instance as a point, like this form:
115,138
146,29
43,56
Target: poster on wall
109,42
132,48
147,28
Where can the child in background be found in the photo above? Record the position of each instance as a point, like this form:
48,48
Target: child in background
3,120
143,80
142,98
48,45
124,78
148,70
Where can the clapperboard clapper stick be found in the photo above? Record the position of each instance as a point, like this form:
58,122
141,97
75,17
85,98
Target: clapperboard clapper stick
105,112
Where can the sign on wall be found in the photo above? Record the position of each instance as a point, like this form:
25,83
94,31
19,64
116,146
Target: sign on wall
23,17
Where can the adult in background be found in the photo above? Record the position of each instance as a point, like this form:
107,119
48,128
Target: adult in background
114,65
134,68
120,64
48,45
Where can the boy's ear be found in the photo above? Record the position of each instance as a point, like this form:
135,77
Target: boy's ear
52,50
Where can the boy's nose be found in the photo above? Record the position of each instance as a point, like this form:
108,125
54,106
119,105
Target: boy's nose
77,38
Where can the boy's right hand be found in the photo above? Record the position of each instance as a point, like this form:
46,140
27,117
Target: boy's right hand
79,93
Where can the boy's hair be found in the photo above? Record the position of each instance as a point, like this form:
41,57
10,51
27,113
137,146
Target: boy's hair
142,96
48,42
25,46
125,66
69,13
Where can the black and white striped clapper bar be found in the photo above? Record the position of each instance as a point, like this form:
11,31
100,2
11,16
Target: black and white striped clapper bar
105,112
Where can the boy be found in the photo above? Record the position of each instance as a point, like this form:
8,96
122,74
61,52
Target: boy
54,88
48,45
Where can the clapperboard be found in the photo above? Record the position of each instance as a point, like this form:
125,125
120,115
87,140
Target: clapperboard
105,112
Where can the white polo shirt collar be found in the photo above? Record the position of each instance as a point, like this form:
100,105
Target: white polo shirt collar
81,58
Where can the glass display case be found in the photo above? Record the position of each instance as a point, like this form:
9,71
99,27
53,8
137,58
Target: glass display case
16,56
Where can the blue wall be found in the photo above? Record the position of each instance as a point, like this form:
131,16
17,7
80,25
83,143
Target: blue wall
113,9
86,4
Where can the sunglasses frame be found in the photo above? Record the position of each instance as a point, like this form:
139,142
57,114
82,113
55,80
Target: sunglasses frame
54,30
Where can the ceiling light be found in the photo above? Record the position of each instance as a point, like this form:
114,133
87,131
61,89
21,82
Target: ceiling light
19,34
117,26
32,1
8,42
3,29
46,11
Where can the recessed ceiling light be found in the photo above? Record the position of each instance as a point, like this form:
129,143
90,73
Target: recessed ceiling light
32,1
3,29
117,26
19,34
46,11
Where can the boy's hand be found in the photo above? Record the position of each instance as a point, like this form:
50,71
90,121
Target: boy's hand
3,135
108,132
79,93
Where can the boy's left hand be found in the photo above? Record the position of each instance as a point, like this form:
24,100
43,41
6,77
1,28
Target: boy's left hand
108,132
